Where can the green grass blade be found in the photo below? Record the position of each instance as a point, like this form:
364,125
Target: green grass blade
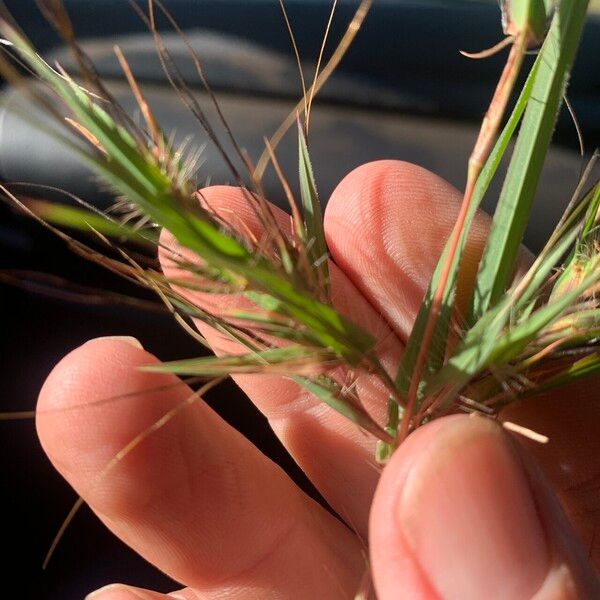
592,222
473,354
84,220
439,339
555,62
281,360
514,341
439,342
313,218
326,390
585,246
585,367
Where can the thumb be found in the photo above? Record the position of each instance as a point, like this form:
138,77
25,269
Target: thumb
461,512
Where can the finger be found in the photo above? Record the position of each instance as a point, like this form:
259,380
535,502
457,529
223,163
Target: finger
461,513
335,454
386,224
117,591
569,417
195,498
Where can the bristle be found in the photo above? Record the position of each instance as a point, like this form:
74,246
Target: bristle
337,55
526,432
313,87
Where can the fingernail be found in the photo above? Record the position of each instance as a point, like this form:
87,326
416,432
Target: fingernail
469,517
122,338
118,591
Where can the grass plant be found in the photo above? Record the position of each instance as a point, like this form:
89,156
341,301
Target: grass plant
520,336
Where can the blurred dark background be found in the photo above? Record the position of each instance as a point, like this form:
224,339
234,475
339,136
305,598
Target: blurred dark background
402,92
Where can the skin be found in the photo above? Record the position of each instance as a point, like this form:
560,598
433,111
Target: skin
463,510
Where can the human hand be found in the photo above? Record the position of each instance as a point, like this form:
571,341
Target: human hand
461,511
